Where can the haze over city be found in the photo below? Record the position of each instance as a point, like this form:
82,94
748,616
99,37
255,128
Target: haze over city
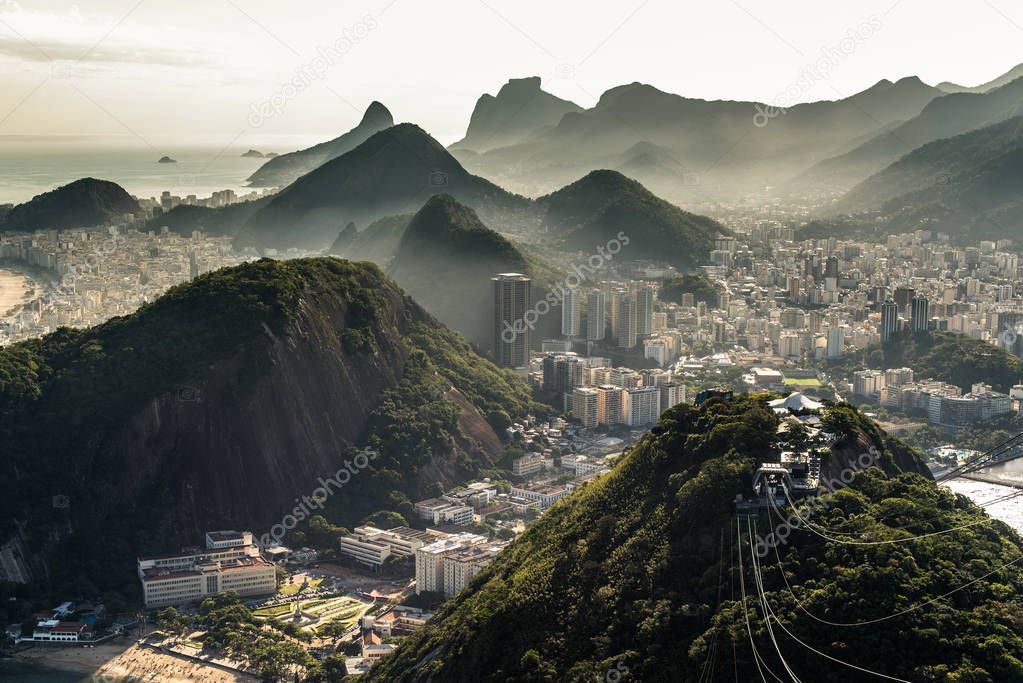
411,342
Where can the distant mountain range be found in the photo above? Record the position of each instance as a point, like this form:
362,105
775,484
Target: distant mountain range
519,109
84,203
691,147
1004,79
223,400
970,185
395,171
945,117
284,169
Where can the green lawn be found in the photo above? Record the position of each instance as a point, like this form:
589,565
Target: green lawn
792,381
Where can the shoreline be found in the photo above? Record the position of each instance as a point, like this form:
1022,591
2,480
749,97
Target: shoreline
18,286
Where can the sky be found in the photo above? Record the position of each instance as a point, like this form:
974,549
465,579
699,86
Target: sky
251,73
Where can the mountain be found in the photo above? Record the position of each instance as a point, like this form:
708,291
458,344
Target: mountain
221,402
224,220
1004,79
969,185
641,574
595,209
393,172
445,260
723,143
944,117
84,203
377,243
519,108
284,169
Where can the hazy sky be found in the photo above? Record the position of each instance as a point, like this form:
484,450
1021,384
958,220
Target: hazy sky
198,69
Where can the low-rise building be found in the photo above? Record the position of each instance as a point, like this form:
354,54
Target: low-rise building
230,562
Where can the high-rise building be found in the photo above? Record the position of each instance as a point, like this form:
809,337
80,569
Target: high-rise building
628,326
920,313
618,295
671,395
595,315
889,321
570,313
609,405
644,311
511,333
584,405
836,341
641,405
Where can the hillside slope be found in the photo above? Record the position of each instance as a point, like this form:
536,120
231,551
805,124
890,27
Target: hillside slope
639,576
446,259
595,209
285,169
944,117
393,172
219,403
84,203
970,185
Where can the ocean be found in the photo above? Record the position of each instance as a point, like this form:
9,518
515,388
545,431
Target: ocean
30,165
1010,511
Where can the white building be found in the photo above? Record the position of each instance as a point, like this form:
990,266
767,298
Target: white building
234,564
430,560
641,406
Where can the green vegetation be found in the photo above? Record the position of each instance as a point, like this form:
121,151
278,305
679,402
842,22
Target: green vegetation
946,356
593,210
700,286
71,403
638,573
229,626
83,203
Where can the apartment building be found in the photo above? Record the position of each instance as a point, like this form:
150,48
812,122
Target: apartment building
430,560
439,511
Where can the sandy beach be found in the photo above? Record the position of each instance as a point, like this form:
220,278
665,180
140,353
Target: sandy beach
13,288
126,661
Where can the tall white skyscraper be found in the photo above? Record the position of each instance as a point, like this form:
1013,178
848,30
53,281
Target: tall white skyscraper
595,315
511,334
627,325
644,311
571,313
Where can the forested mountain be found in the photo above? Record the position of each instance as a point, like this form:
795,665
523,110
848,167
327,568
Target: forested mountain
219,403
649,574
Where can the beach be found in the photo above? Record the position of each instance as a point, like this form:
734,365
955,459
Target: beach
121,661
14,287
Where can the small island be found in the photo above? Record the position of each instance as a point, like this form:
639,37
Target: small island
254,154
271,155
167,160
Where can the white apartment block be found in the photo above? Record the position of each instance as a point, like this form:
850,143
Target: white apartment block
527,465
546,496
438,511
641,406
372,546
235,564
430,560
584,405
461,566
